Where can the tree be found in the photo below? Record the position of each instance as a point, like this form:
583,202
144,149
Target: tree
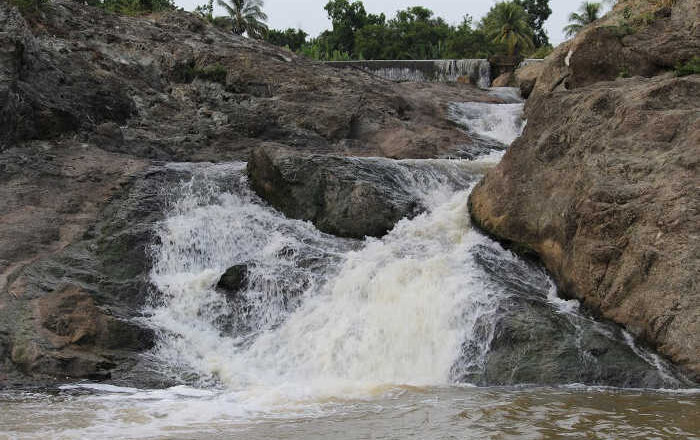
246,17
506,23
538,11
290,38
206,11
588,13
348,17
466,42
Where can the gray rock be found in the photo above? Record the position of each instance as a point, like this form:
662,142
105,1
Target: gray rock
233,280
343,196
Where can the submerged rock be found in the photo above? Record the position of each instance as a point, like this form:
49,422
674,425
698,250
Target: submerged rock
343,196
602,186
233,281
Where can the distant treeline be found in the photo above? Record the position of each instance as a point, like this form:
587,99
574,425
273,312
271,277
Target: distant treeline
510,28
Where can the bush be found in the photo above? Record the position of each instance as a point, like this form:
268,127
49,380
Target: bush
28,7
133,7
690,67
542,52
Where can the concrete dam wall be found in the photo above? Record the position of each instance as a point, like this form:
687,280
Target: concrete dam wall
474,71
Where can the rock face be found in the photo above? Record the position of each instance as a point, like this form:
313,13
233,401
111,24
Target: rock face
347,197
533,341
602,186
637,38
171,87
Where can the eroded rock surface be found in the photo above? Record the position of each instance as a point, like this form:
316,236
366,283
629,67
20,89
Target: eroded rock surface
602,186
348,197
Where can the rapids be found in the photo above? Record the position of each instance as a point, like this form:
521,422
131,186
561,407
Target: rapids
373,338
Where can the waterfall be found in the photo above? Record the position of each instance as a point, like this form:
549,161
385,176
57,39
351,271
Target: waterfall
323,317
502,123
387,311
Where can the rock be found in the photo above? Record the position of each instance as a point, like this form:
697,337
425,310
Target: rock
526,77
347,197
634,39
73,331
531,340
504,80
601,186
233,280
180,89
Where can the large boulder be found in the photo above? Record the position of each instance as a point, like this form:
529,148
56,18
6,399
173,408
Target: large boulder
602,186
343,196
534,339
637,38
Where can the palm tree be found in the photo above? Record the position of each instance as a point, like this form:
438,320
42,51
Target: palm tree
246,17
506,23
588,13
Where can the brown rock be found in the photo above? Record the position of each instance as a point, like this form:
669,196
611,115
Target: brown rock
635,38
603,187
504,80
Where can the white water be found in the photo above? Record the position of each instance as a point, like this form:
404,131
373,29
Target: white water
383,312
498,122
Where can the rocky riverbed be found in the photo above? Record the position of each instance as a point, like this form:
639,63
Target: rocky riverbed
105,119
93,103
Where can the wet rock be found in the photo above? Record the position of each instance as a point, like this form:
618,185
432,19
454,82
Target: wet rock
531,340
601,186
347,197
233,280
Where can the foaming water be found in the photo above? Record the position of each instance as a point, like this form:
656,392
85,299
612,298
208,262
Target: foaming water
502,123
347,339
326,317
425,413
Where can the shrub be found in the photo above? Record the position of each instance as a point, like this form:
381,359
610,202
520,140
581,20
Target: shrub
28,7
542,52
690,67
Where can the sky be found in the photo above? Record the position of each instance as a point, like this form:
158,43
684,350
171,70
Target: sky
310,16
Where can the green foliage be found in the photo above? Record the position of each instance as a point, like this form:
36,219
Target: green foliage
28,7
542,52
506,23
690,67
189,72
133,7
588,13
206,12
413,33
348,17
247,17
290,38
538,11
624,72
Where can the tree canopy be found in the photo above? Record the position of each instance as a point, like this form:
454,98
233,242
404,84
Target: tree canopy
247,17
588,13
506,23
538,11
